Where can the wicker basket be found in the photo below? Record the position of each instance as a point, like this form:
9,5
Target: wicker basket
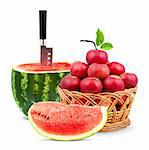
119,105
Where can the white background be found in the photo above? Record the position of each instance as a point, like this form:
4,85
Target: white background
124,23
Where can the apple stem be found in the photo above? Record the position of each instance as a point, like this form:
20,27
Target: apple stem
90,42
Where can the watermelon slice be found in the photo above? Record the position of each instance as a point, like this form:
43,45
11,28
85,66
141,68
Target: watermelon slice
57,121
34,82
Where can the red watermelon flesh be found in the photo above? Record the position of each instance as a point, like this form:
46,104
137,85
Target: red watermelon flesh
66,122
37,67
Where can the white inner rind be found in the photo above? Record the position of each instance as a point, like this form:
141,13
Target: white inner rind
101,124
15,67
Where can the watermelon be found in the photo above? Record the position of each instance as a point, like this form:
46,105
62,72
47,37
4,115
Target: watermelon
57,121
34,82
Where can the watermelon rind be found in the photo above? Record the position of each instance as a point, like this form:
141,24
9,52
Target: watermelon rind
99,126
29,87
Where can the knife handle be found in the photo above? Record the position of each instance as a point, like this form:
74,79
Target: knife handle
42,23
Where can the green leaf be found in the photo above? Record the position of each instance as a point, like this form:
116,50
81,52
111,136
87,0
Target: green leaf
99,37
106,46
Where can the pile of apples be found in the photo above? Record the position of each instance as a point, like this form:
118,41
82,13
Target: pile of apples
98,75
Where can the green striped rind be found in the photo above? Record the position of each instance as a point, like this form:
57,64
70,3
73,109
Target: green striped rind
96,129
30,87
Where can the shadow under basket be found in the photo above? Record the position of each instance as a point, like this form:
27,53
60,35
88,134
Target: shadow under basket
119,105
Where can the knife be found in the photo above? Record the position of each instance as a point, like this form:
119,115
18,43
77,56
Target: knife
45,53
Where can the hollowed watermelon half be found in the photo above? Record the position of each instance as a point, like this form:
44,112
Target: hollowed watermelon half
57,121
34,82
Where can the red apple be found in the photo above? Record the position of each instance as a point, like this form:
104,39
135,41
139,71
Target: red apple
130,80
70,83
116,68
96,56
91,85
79,69
113,83
100,71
